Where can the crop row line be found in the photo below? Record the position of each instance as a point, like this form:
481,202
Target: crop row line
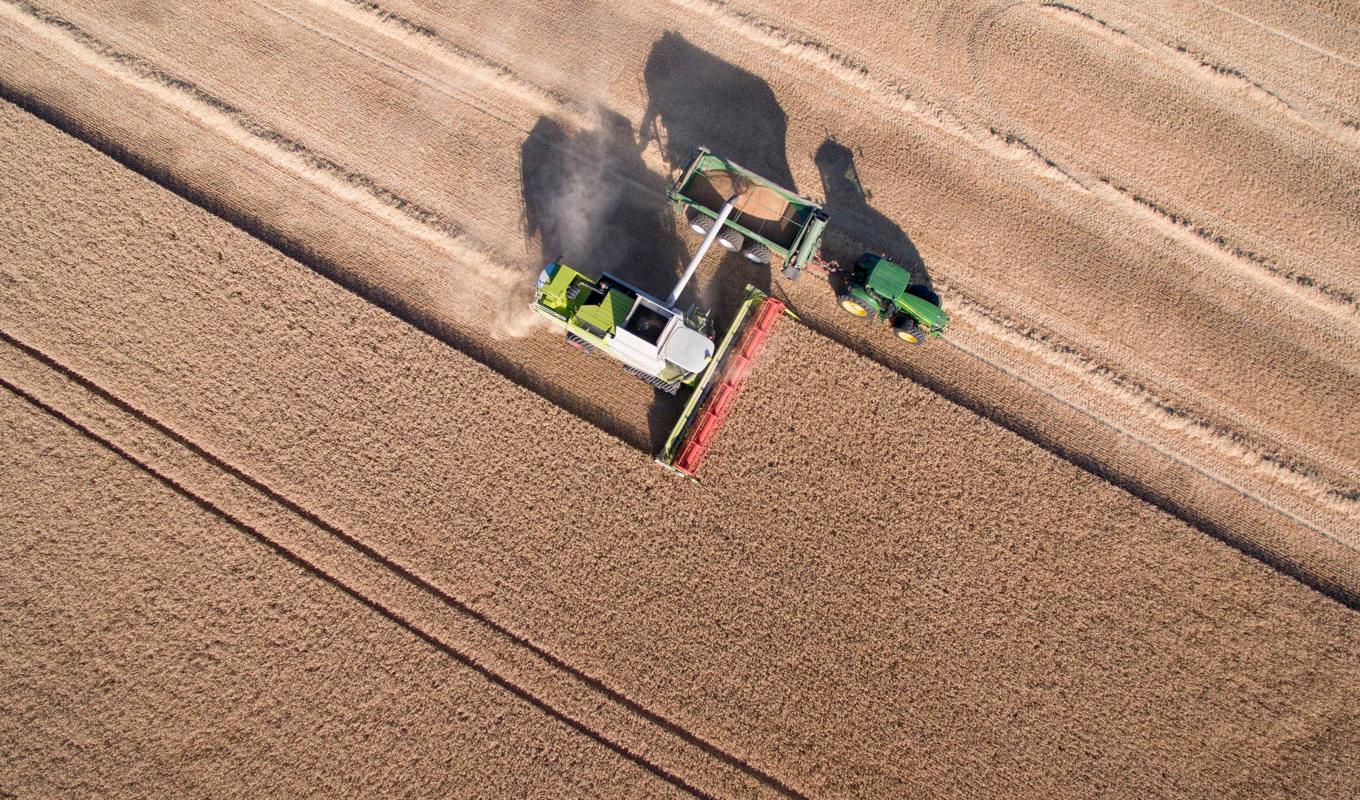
524,653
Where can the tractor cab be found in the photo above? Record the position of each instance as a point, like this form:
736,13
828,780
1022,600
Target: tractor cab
881,291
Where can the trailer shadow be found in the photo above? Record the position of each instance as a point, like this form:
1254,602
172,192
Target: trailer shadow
695,99
847,203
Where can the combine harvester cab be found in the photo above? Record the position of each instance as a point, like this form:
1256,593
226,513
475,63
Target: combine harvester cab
881,291
766,220
655,342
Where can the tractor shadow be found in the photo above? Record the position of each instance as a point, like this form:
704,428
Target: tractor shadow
847,203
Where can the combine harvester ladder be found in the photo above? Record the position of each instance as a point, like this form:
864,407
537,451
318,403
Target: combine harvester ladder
694,433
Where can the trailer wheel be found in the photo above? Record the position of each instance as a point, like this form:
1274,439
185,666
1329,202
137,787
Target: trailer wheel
699,222
854,306
757,252
792,273
730,239
908,331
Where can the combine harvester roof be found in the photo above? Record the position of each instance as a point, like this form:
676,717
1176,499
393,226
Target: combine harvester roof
716,393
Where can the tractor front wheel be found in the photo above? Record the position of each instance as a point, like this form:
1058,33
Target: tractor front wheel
699,222
908,331
854,306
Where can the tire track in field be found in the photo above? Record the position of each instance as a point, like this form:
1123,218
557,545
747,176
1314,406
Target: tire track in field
429,42
235,125
1338,302
545,101
1322,114
1273,31
1203,67
376,606
1199,66
522,656
1333,300
1222,441
885,91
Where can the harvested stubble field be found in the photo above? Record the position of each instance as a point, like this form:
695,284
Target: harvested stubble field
267,535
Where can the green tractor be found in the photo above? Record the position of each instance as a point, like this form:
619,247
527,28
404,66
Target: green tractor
881,291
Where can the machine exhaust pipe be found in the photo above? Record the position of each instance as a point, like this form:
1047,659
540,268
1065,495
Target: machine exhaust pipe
701,252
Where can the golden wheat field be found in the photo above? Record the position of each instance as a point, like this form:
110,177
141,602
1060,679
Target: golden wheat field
299,498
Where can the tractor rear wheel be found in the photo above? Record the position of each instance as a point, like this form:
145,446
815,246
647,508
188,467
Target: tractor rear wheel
908,331
699,222
757,252
854,306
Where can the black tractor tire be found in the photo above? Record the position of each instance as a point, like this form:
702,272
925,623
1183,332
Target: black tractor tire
729,239
908,331
698,221
757,252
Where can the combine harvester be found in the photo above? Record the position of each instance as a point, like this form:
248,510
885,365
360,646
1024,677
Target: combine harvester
671,349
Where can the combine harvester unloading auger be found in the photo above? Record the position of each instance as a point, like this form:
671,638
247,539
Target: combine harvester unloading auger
671,349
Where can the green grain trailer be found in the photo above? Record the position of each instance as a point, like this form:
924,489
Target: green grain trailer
766,220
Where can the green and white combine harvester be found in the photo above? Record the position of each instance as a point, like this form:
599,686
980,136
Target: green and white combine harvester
672,348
